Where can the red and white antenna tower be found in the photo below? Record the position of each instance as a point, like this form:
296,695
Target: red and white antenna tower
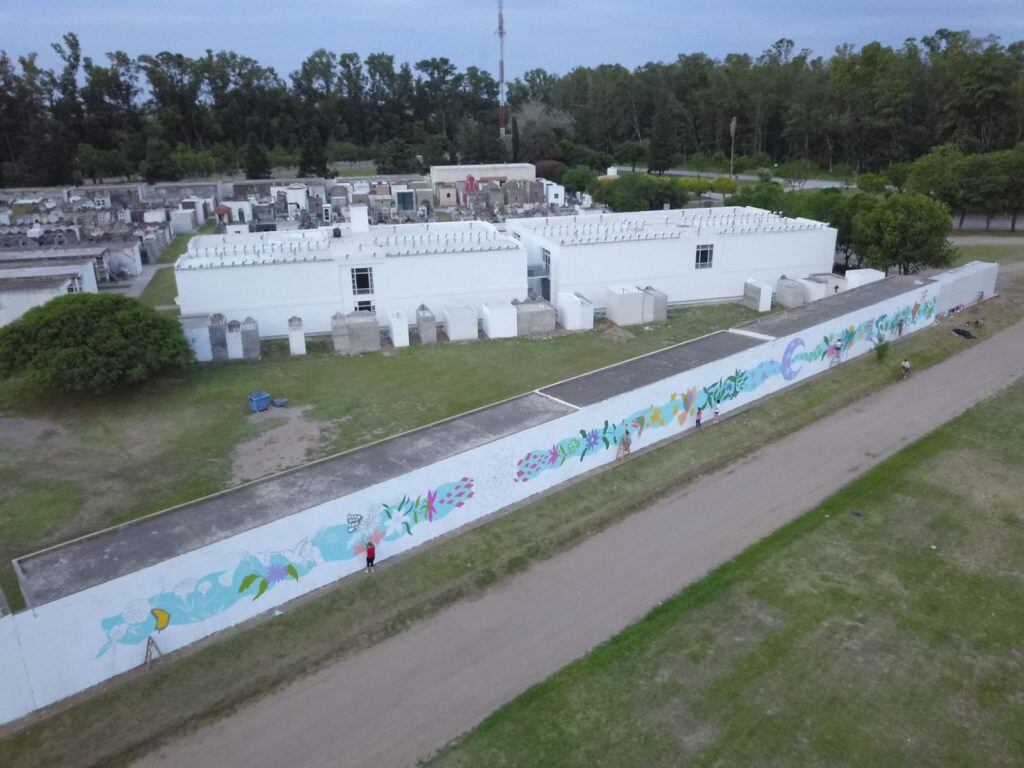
502,94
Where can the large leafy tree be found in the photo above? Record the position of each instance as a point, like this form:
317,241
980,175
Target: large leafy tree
90,342
858,110
908,232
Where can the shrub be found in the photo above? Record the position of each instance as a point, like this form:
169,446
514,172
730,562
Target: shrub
90,342
881,351
579,178
552,170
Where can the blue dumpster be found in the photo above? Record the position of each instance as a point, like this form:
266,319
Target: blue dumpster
259,401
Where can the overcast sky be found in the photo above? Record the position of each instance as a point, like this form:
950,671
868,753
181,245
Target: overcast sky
552,34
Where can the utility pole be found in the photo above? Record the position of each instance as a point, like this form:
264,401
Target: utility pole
502,94
732,149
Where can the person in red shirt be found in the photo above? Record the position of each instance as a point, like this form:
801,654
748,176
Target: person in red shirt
371,553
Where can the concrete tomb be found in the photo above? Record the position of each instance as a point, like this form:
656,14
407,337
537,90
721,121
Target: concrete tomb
399,325
499,320
426,325
363,332
296,336
535,318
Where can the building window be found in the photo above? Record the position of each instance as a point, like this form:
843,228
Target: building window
364,306
705,257
362,280
516,236
545,256
75,286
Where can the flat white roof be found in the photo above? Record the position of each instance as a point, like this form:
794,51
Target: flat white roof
311,245
633,226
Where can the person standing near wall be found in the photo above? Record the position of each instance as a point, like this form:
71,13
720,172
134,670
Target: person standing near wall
698,417
371,554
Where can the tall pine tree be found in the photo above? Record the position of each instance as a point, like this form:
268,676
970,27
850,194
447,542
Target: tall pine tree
312,157
661,153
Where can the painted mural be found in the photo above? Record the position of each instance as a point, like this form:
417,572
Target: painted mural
682,405
194,600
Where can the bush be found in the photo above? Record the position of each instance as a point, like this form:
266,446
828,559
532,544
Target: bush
579,178
552,170
872,183
881,351
642,192
90,342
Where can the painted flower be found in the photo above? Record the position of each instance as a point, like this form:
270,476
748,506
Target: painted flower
430,504
394,524
593,439
136,611
277,573
185,587
553,455
573,445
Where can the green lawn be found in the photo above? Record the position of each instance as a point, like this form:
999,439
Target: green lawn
162,288
1003,254
179,244
356,171
137,451
129,718
892,637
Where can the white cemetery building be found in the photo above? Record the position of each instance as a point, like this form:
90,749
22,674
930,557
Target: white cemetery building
689,254
314,274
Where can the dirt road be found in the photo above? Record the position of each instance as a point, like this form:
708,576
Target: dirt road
402,699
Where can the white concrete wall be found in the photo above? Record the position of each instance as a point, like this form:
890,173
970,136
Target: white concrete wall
966,284
70,644
669,265
14,304
315,290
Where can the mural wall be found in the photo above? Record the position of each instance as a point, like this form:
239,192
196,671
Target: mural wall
63,647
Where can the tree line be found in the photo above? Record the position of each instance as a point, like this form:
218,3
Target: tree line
167,115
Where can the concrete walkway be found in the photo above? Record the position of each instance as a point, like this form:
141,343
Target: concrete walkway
407,696
148,273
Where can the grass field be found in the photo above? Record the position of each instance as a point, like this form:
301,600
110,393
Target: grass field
82,464
162,289
225,674
179,244
890,637
1003,254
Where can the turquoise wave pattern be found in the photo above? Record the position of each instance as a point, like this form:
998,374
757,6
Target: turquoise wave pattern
194,600
682,405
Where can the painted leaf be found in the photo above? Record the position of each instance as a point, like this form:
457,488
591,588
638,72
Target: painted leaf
293,572
606,443
247,582
407,528
263,588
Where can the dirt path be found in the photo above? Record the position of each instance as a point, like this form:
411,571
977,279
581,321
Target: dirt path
409,695
289,439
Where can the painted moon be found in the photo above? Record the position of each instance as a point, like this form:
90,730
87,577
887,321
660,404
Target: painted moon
163,618
788,372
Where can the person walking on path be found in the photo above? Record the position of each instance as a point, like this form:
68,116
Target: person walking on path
905,368
371,553
698,417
